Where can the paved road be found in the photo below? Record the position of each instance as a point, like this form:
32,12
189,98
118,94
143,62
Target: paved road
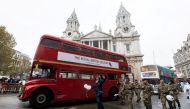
10,101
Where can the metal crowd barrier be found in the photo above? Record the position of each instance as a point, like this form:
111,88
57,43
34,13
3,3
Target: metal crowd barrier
10,88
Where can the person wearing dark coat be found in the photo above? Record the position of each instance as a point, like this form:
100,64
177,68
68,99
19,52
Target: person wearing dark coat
11,81
100,79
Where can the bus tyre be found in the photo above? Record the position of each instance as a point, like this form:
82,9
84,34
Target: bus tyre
112,93
39,99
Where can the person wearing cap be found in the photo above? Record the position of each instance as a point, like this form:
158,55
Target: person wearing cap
121,91
163,91
147,94
128,90
173,92
137,90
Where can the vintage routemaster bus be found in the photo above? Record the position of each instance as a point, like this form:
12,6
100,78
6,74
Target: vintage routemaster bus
153,73
61,68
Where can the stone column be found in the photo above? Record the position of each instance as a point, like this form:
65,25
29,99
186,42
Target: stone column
92,43
99,44
111,45
102,44
108,45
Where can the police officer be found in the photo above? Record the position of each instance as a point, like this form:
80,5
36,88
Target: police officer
137,90
163,91
147,93
128,90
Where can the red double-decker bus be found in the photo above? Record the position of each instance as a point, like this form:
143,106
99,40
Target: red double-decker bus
61,68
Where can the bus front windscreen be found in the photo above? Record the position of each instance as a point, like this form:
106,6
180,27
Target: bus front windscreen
41,71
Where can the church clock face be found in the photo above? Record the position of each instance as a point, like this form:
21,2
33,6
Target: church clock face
69,34
125,29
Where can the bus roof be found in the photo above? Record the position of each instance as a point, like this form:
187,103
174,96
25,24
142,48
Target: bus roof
77,43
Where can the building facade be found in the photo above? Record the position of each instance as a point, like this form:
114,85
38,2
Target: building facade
21,62
124,41
182,59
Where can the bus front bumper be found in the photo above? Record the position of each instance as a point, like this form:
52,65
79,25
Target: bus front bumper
21,96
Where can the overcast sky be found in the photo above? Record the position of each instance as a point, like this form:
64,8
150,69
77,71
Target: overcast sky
162,24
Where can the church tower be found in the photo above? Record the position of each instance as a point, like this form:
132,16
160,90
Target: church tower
72,30
124,27
123,18
126,41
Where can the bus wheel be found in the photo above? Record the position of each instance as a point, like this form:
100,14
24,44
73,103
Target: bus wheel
112,93
39,99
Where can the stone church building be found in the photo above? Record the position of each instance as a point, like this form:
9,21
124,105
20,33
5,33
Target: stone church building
182,59
124,41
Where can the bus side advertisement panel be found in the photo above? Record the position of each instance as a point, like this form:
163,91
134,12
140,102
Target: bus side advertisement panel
68,57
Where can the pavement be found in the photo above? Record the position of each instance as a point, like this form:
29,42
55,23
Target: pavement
10,101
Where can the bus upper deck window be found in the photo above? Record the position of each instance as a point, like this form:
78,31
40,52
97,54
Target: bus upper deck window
152,68
51,43
70,47
86,51
120,59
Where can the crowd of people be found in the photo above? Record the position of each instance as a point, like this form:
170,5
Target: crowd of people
167,93
9,85
129,89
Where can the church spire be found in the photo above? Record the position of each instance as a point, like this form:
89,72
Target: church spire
123,17
73,16
123,11
72,30
124,27
72,22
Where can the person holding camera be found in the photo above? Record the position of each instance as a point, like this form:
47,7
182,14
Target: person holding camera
100,79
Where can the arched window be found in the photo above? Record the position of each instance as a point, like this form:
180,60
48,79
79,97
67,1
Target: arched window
71,24
123,19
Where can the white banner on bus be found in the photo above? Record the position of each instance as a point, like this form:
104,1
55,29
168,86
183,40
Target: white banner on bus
86,60
149,74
